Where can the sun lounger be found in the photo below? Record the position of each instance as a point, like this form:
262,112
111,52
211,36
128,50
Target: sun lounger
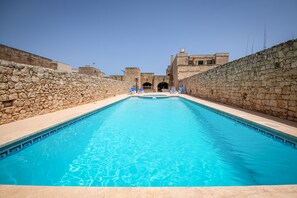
180,90
132,90
172,90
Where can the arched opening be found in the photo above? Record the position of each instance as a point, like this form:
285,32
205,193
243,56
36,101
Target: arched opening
147,85
163,86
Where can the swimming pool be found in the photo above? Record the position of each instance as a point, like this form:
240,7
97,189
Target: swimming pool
153,96
141,142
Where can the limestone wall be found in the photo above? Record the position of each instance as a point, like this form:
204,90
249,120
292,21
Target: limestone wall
63,67
19,56
185,65
146,78
131,74
265,81
159,79
182,72
117,77
92,71
26,91
187,71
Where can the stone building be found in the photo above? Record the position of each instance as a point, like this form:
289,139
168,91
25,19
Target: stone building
184,65
148,81
19,56
62,67
92,71
132,76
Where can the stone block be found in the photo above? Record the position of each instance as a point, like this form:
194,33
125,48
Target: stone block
13,96
18,86
292,103
293,88
282,104
293,96
293,108
11,85
25,72
27,79
3,78
9,110
19,103
4,97
3,86
277,90
23,95
15,78
16,72
31,94
35,79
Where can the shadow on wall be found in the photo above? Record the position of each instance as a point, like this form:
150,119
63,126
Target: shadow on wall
263,82
28,91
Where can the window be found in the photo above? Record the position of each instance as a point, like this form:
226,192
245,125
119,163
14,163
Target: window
200,62
209,62
190,62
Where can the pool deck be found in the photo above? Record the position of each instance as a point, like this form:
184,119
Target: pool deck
14,131
86,192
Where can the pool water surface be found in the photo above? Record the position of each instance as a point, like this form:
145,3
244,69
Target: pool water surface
150,143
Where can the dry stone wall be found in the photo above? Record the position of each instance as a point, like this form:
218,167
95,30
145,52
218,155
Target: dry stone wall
265,81
27,91
187,71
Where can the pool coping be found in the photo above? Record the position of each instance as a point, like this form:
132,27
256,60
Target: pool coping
20,129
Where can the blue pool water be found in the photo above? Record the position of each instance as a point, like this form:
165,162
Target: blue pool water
163,142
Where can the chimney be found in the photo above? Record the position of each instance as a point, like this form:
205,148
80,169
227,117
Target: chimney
171,59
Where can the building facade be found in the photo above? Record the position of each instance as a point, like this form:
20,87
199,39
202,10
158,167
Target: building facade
92,71
184,65
148,81
19,56
62,67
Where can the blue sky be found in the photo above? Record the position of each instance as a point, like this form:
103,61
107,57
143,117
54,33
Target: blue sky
144,33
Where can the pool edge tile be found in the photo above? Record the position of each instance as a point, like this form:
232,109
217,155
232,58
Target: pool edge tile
49,126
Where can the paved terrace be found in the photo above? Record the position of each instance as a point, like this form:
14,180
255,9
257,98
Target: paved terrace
14,131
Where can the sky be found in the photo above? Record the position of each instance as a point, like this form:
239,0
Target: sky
114,34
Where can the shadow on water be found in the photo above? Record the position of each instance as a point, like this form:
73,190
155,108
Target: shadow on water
221,144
